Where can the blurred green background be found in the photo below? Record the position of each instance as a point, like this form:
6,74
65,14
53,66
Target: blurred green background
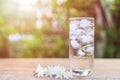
40,28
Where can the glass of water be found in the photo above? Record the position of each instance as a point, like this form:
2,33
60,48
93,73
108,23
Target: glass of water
81,45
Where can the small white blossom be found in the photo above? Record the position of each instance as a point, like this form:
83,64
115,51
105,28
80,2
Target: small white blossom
50,71
67,75
58,72
40,71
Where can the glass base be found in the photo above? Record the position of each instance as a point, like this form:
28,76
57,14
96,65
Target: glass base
79,72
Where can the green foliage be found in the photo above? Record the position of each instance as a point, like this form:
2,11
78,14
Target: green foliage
46,46
110,51
115,8
112,48
112,34
46,41
117,1
113,40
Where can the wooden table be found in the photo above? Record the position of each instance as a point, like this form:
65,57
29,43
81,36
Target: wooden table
22,69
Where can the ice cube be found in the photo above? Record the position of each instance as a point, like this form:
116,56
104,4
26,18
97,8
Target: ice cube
91,32
76,32
86,39
73,32
75,44
79,32
81,53
90,50
73,37
84,23
92,24
73,27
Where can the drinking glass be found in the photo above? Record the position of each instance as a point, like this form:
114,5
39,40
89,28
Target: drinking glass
81,45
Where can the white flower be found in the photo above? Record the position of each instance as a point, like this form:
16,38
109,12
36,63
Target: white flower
59,72
50,71
40,71
67,75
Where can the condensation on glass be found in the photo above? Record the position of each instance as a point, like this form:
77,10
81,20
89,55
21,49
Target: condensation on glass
81,45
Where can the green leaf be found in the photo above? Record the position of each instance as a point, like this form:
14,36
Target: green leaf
110,51
112,34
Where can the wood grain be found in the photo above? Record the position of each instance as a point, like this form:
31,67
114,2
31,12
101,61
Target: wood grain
22,69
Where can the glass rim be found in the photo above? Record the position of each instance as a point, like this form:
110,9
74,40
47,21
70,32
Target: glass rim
78,18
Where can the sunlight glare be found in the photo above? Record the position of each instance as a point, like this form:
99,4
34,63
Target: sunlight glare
61,1
44,1
27,5
39,24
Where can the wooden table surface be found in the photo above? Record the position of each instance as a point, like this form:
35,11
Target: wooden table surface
22,69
